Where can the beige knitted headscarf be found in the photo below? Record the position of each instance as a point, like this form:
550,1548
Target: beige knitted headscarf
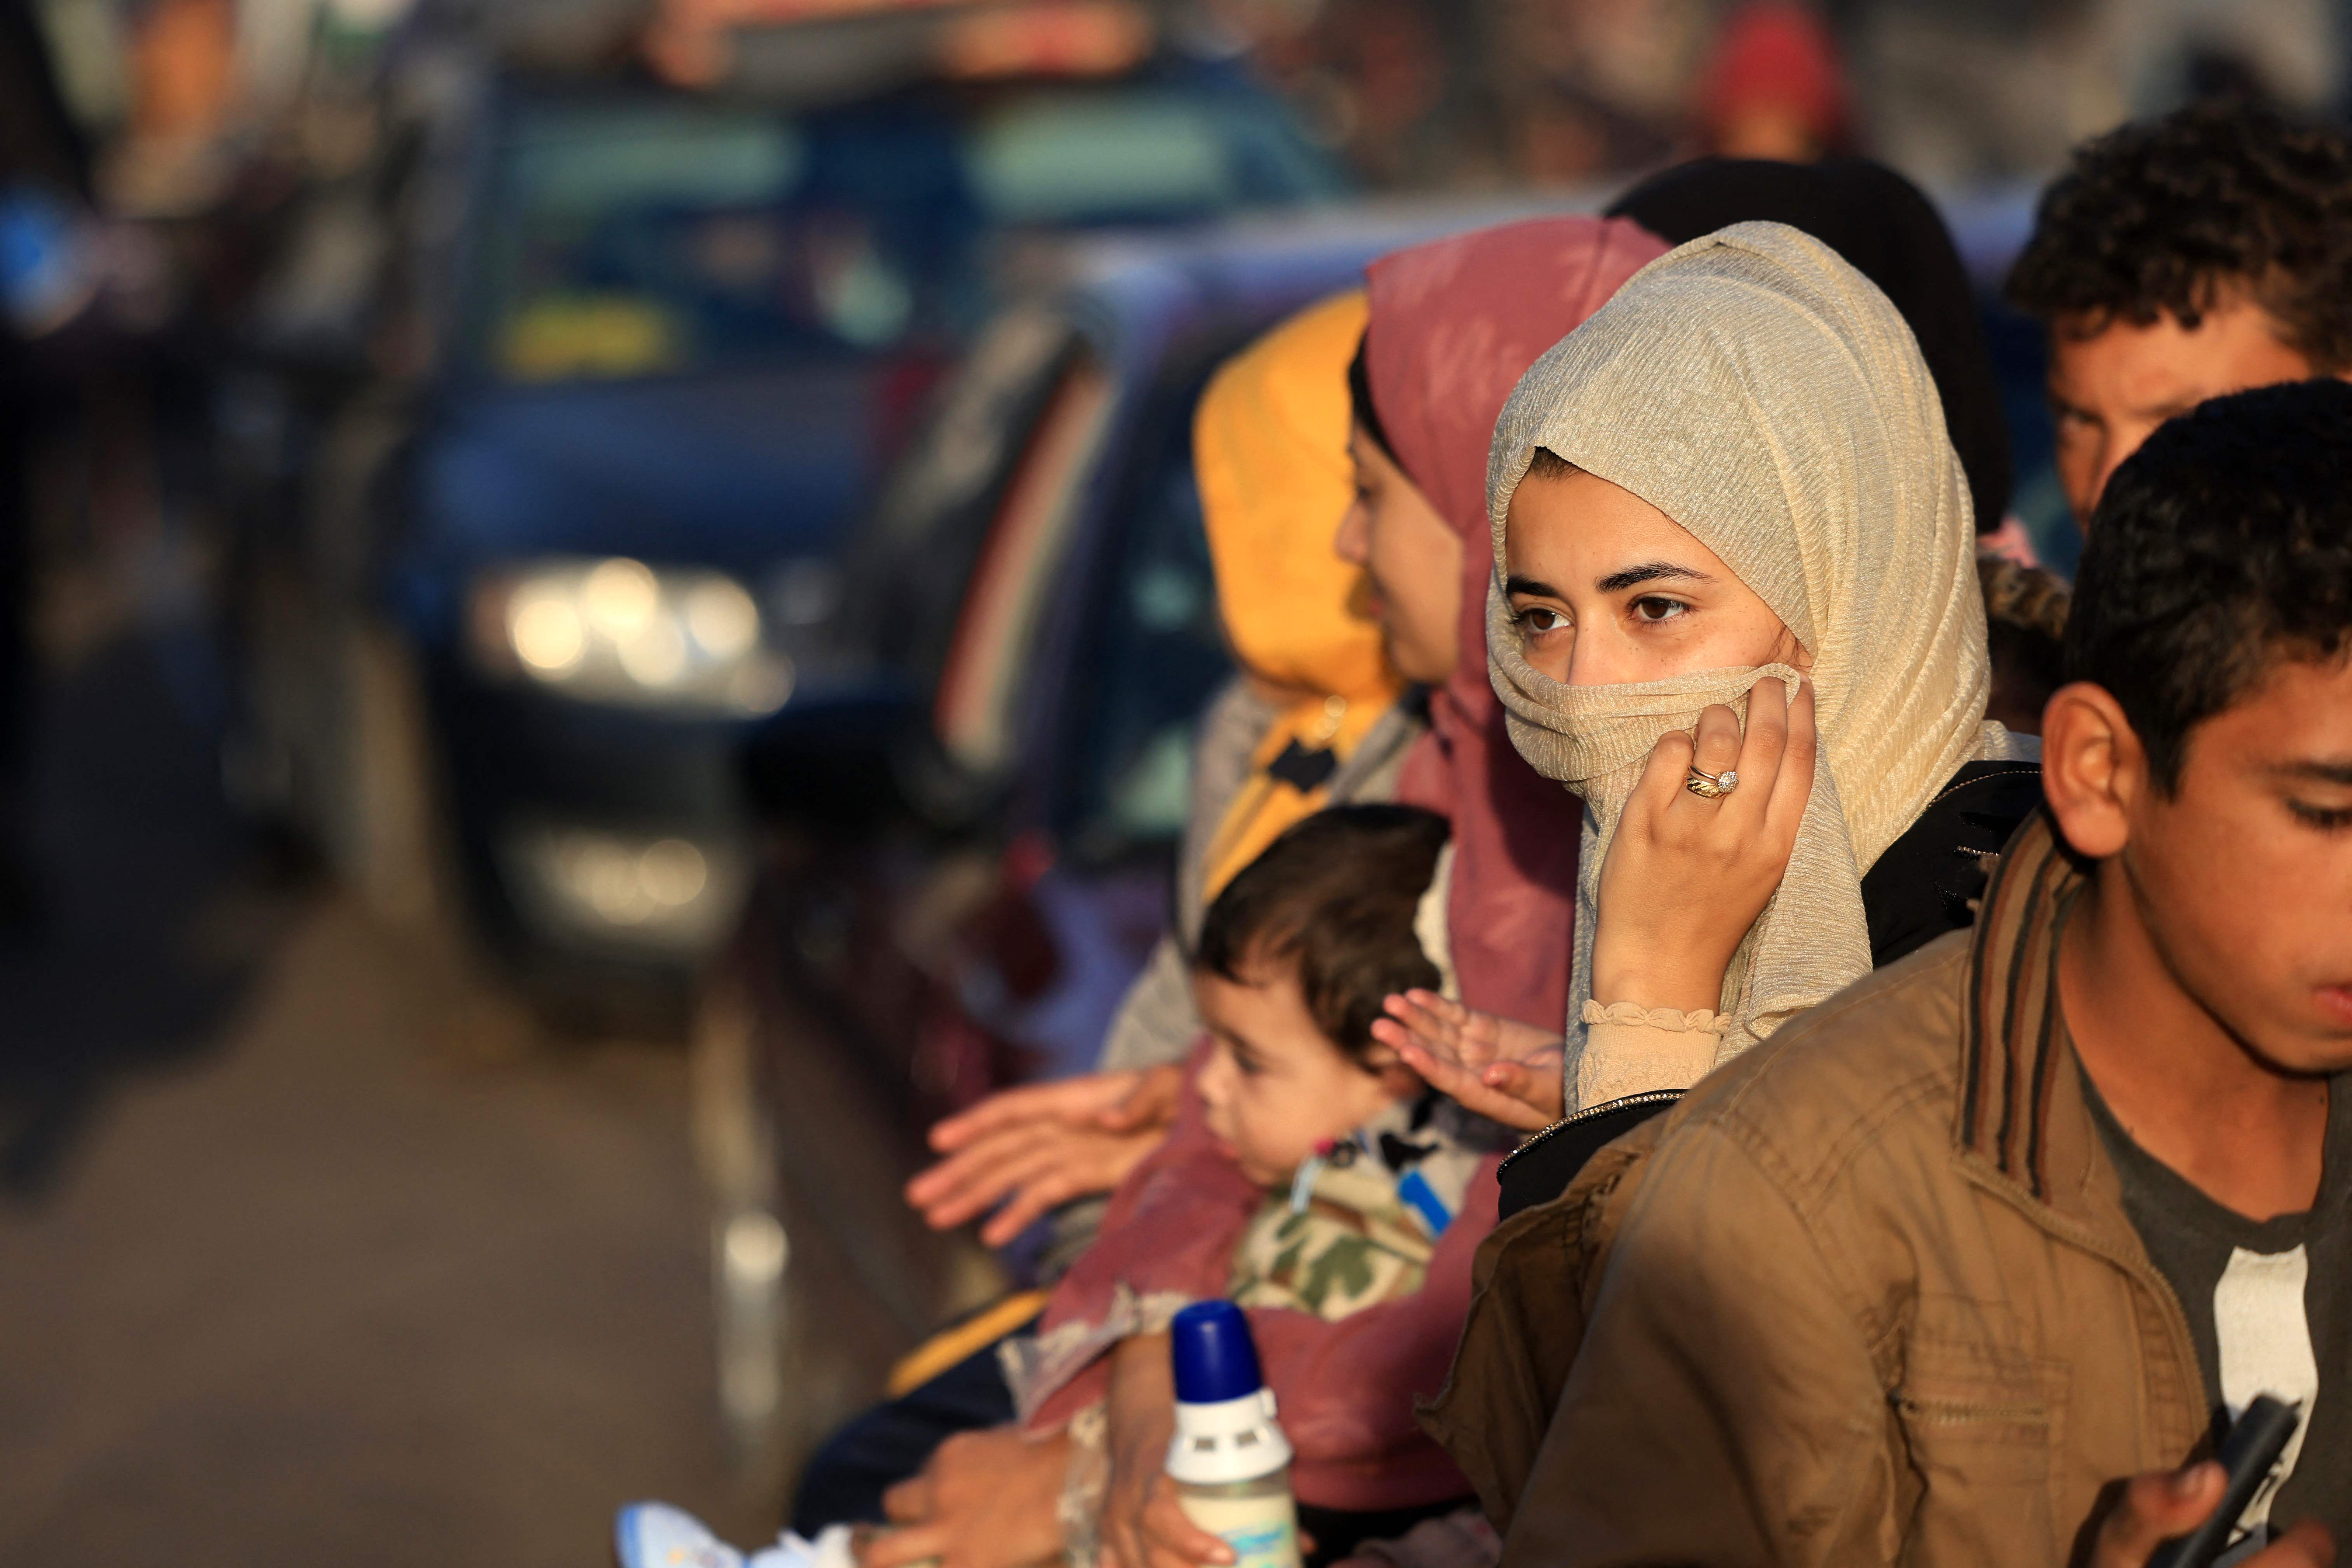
1766,396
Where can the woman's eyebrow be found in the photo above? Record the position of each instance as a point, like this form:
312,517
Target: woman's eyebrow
1529,586
1649,571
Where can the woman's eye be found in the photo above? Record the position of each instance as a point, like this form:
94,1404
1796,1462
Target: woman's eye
1537,620
1658,609
2322,818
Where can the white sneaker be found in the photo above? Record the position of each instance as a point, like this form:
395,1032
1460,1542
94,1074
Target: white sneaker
656,1535
829,1550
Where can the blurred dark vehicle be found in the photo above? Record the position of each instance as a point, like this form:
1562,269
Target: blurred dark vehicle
678,339
968,852
692,335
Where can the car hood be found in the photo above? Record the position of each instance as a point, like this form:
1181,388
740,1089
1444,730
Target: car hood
732,470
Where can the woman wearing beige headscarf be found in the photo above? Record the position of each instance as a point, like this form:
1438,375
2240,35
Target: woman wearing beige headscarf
1736,610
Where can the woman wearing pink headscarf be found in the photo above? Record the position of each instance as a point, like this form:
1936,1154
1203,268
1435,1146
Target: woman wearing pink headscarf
1454,325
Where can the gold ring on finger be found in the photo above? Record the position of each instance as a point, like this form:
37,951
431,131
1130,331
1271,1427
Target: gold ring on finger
1711,786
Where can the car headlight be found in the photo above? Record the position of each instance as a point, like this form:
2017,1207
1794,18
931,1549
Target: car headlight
669,894
617,630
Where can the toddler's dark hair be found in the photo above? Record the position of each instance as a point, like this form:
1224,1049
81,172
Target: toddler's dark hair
2223,544
1333,898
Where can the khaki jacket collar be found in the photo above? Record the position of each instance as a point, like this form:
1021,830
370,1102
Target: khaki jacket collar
2022,1123
2019,1097
2021,1116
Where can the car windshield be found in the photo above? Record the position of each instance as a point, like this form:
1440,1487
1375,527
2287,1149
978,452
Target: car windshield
906,567
1159,654
642,237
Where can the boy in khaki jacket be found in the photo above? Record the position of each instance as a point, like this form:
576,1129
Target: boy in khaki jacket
1969,1264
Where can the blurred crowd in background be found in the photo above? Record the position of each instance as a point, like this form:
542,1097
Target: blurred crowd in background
219,107
227,229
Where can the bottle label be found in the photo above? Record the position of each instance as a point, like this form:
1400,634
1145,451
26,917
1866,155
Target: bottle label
1262,1530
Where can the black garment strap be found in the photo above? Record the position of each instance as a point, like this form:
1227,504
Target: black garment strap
1303,770
1931,879
1542,1168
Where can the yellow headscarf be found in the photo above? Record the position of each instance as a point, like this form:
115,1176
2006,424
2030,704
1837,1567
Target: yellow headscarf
1270,450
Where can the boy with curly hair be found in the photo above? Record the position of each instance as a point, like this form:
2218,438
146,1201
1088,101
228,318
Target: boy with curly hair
2176,259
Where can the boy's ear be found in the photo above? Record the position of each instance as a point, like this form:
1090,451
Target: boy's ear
2094,768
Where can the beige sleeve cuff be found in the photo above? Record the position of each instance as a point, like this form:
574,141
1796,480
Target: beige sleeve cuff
1634,1015
1632,1049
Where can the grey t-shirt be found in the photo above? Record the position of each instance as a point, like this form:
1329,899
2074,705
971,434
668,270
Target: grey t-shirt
2267,1305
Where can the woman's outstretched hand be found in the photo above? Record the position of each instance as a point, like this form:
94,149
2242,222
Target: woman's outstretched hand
1037,1148
1686,875
1510,1071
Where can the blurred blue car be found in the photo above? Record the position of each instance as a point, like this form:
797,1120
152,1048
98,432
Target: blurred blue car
683,342
685,337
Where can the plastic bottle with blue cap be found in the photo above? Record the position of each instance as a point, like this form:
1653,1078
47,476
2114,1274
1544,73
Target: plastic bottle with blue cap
1229,1460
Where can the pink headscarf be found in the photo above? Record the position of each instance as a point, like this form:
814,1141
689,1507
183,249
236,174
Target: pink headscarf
1454,325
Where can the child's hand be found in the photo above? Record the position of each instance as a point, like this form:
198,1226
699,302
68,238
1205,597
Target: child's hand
1142,1524
1035,1148
1152,1531
1498,1068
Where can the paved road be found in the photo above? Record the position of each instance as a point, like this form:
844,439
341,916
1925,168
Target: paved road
288,1273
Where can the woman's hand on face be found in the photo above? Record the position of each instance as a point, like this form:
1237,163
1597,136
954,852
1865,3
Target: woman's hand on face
1035,1148
1498,1068
986,1500
1686,875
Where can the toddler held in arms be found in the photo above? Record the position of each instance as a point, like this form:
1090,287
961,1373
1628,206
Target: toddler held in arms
1296,958
1311,1177
1320,1183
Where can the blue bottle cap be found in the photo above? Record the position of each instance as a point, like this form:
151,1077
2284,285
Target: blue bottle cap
1216,1359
